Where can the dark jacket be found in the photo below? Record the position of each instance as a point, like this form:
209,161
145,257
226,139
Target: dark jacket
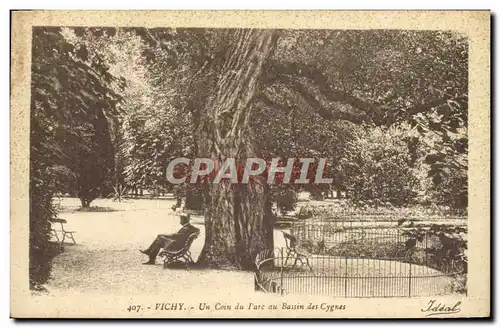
181,236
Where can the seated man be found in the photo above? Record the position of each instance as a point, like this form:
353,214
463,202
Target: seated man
170,242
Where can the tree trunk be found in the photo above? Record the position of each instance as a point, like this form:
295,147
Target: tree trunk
86,197
238,220
238,226
85,202
194,199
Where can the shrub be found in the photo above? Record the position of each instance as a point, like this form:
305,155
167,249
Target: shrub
459,284
286,200
194,199
451,187
305,212
447,164
379,168
450,253
41,211
373,249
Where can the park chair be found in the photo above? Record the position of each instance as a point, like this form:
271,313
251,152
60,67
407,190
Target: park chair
170,256
293,251
64,233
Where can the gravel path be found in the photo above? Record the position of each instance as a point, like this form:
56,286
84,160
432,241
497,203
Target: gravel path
106,259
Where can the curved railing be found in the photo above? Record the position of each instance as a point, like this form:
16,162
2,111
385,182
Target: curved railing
363,240
344,276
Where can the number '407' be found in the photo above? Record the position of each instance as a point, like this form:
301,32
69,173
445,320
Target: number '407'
134,308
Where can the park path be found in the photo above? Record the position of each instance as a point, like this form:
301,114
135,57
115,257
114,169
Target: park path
106,259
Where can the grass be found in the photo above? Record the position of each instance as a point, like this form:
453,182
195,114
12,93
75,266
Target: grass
96,209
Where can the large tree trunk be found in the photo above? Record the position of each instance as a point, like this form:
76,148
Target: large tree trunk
238,226
237,216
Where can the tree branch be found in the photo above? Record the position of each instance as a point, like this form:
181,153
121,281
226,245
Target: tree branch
315,105
289,74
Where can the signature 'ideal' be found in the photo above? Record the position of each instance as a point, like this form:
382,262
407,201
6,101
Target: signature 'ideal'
434,308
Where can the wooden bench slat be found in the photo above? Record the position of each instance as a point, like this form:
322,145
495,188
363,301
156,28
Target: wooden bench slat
182,253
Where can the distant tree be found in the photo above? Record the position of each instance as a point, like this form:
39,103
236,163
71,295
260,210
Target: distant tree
136,133
88,130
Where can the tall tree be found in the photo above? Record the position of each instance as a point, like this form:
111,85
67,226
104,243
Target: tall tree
237,215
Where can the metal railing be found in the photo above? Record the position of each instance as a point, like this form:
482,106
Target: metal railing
351,277
363,258
374,240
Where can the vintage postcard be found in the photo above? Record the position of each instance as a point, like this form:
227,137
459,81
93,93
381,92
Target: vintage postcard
250,164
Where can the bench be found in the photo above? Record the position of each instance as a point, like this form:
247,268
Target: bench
183,253
293,252
64,233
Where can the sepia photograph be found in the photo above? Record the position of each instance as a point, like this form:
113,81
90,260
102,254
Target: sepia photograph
199,170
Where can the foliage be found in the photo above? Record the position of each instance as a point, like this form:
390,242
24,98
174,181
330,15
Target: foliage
459,284
72,94
366,248
314,82
414,76
448,164
447,255
286,200
41,211
342,210
139,132
379,168
69,143
305,212
409,72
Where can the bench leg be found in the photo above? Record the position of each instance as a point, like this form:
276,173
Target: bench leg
287,257
187,260
188,257
166,261
70,235
307,262
295,263
54,233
